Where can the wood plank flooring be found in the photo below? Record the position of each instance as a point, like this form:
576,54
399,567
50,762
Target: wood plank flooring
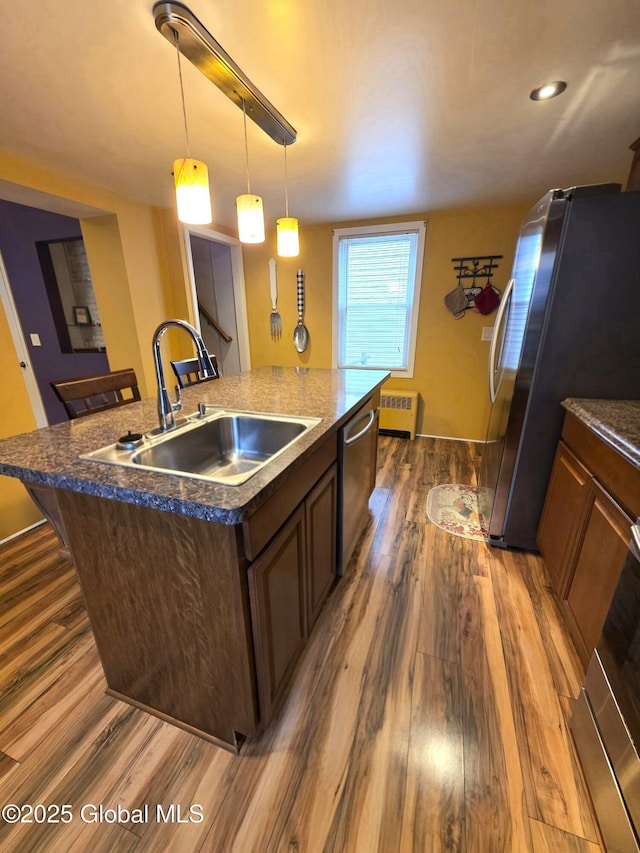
428,712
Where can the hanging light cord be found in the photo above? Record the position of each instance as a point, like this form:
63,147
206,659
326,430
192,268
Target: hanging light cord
246,145
286,184
184,109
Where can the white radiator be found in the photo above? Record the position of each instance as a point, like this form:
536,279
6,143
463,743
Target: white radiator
399,412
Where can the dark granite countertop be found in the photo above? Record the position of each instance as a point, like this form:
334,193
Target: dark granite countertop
615,421
51,456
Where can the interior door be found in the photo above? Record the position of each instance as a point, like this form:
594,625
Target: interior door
218,295
22,351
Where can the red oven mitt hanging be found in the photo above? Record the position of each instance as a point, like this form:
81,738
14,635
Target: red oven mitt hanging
487,300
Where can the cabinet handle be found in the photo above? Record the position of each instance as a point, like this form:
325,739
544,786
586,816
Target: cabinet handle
363,432
494,352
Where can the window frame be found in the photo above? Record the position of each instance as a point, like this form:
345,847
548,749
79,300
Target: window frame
390,228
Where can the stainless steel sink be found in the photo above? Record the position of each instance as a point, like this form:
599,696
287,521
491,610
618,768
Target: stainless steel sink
227,447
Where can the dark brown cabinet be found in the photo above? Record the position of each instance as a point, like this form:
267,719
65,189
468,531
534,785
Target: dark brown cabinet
288,584
202,623
320,520
278,610
599,561
563,516
593,496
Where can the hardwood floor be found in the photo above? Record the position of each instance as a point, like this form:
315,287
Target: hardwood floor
428,712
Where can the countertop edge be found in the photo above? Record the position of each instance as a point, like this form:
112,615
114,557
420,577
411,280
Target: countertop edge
616,422
99,485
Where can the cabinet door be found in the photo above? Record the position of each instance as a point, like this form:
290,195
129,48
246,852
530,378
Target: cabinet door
601,556
563,516
320,517
277,591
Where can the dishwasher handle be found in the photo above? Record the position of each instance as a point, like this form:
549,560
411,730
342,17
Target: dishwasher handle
364,431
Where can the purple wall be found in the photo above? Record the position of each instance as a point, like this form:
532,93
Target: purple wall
20,228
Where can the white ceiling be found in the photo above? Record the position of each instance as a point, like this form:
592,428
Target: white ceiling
400,106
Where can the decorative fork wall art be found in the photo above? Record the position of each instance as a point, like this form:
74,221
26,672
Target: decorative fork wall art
275,320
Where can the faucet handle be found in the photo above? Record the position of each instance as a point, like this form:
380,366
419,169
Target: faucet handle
177,406
202,408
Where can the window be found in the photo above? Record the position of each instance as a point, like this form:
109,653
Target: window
377,275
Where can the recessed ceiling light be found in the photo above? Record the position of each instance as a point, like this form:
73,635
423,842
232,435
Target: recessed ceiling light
549,90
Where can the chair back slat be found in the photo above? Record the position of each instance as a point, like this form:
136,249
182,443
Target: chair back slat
90,394
188,373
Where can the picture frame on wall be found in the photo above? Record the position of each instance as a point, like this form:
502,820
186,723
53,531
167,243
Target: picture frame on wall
81,315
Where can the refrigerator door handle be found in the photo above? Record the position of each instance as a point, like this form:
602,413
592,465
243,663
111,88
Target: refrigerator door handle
493,348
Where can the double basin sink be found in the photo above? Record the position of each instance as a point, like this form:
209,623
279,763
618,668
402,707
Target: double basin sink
226,447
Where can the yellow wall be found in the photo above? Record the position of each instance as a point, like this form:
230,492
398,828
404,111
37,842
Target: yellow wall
111,284
450,369
16,508
169,235
315,260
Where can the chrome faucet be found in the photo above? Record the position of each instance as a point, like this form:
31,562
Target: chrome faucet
167,409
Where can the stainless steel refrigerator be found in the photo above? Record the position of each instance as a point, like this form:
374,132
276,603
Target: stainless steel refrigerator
568,325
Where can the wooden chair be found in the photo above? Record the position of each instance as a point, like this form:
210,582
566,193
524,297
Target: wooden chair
91,394
188,372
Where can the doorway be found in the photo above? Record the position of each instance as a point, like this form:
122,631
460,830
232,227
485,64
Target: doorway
26,236
217,286
17,335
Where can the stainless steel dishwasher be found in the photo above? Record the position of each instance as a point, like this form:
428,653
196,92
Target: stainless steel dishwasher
606,716
357,451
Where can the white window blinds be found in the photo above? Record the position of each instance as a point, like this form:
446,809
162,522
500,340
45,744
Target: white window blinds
378,279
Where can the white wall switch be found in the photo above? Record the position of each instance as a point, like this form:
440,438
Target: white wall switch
35,340
487,333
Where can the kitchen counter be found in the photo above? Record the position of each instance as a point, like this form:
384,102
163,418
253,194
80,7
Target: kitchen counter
51,456
617,422
197,622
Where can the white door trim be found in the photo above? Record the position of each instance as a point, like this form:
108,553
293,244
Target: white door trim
237,272
20,344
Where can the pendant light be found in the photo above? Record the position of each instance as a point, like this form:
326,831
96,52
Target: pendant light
287,226
191,176
249,205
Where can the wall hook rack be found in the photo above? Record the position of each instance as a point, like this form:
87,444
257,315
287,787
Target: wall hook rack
473,268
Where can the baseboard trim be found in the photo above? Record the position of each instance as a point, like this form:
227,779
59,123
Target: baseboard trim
167,718
450,438
21,532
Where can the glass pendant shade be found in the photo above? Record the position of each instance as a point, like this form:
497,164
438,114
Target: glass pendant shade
192,191
250,218
288,242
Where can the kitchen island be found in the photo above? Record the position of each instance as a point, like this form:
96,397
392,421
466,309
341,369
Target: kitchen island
201,595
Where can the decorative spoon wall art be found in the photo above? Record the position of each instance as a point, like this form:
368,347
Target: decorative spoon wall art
300,333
